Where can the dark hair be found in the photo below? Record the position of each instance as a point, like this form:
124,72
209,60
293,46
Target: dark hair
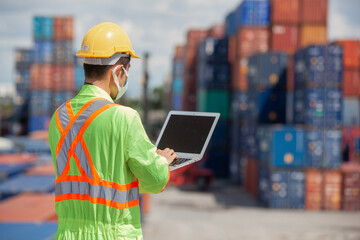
95,71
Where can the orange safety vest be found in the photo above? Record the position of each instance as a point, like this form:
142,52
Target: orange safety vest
89,186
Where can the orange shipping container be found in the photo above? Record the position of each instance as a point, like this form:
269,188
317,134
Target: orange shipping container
285,11
290,81
43,170
179,52
351,82
351,186
194,36
314,189
28,207
232,49
45,77
314,11
350,138
251,40
284,38
239,75
312,34
216,31
17,158
63,28
332,189
351,56
251,181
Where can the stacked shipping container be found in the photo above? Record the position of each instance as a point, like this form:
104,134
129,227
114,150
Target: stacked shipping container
52,72
213,96
178,80
288,166
249,35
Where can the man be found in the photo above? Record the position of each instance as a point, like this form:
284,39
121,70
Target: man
101,153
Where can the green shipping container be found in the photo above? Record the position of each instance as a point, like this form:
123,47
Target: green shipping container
211,100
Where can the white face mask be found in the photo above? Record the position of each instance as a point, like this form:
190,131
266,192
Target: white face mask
121,90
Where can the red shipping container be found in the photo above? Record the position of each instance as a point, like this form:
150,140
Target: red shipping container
179,52
251,180
285,11
45,76
43,170
351,56
351,186
312,34
232,49
239,75
17,158
216,31
332,189
34,76
351,82
28,207
350,143
290,84
251,40
314,11
63,28
68,77
284,38
314,189
194,36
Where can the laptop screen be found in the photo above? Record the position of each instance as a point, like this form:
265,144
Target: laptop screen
185,133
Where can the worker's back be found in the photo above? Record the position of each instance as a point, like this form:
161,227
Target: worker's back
102,156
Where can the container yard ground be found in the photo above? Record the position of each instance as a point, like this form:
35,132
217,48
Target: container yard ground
228,212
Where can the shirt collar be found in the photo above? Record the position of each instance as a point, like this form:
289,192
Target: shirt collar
94,91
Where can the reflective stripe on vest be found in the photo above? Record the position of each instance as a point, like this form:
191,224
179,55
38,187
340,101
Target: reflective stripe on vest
88,186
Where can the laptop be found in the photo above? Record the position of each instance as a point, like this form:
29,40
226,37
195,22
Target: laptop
188,133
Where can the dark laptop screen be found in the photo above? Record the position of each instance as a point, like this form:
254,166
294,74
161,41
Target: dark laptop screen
186,133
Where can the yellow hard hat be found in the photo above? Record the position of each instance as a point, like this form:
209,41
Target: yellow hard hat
104,44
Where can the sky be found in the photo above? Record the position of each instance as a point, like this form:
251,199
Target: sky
155,26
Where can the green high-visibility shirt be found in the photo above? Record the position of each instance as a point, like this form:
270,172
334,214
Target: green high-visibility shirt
122,153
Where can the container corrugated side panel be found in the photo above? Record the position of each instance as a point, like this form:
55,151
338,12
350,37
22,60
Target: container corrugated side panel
351,111
29,231
279,189
24,183
314,189
285,11
28,207
296,189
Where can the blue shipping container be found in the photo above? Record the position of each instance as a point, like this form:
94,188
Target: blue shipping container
323,148
213,50
253,13
318,107
351,111
267,71
24,183
213,76
318,66
296,189
230,24
7,171
43,28
279,188
38,122
28,231
218,161
177,86
176,104
281,146
271,106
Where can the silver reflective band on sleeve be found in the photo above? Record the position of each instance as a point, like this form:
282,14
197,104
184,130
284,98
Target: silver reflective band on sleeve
97,191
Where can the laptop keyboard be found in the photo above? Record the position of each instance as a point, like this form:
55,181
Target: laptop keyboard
179,161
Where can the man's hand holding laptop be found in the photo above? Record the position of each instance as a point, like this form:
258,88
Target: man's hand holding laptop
169,154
